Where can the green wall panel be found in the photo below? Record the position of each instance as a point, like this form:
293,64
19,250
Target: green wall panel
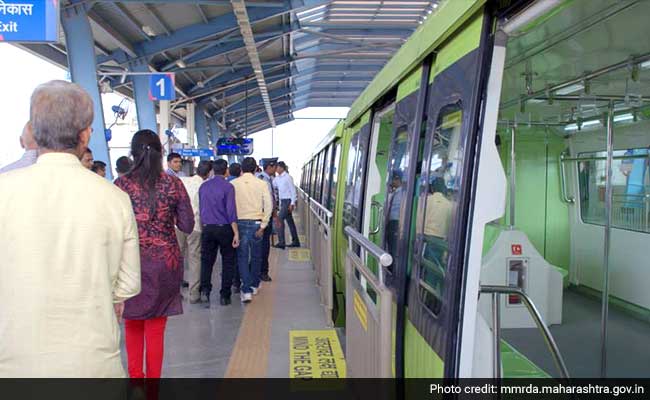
539,210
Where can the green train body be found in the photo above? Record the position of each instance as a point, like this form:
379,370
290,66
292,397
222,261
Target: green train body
436,125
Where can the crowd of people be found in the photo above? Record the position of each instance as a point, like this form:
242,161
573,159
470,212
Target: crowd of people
82,254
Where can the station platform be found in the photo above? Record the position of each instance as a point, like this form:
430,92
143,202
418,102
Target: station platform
253,340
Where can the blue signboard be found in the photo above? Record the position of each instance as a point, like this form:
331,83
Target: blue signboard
196,152
234,146
29,20
161,87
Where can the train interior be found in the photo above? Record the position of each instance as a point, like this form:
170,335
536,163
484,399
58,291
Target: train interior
568,76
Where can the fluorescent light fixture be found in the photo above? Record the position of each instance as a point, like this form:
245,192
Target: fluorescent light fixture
586,124
148,30
623,117
181,64
645,64
570,89
536,101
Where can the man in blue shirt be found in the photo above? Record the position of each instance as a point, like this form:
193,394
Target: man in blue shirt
219,231
175,165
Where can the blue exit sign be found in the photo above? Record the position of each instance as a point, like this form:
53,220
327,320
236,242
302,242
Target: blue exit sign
26,21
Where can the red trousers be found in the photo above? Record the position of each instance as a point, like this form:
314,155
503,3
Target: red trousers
139,332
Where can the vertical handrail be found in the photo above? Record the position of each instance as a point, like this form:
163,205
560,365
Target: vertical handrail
546,333
496,323
607,240
568,200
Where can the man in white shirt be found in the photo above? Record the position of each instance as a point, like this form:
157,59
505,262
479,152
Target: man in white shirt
68,264
28,143
191,244
283,183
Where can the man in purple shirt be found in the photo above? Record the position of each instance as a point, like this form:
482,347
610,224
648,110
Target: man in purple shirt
219,231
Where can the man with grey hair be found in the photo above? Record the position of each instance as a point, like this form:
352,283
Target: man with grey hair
28,143
68,263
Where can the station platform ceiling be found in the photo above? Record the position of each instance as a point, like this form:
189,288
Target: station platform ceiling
248,64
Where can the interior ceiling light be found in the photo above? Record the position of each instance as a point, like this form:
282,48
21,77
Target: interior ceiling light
623,117
645,64
181,64
148,30
570,89
586,124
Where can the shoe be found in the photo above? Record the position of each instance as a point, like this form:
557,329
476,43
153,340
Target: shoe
255,290
225,301
246,297
266,278
185,284
235,289
205,298
279,246
294,245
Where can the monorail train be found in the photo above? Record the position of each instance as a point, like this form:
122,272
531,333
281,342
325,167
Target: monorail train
484,209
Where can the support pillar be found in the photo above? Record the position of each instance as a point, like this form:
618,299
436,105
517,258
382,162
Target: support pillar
214,131
164,124
145,106
83,71
189,124
201,129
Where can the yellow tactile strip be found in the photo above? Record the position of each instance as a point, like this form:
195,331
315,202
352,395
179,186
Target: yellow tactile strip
249,358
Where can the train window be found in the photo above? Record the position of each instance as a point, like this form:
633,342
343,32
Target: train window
308,179
312,178
398,163
630,184
319,177
327,170
441,190
357,158
336,157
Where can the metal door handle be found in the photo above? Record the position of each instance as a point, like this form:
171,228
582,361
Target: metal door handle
380,211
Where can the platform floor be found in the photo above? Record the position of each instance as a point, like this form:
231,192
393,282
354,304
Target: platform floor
245,340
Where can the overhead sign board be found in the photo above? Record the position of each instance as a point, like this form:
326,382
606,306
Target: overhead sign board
196,152
26,21
234,146
161,87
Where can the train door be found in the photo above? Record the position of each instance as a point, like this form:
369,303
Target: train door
441,203
375,197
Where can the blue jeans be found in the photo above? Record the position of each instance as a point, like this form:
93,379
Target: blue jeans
249,255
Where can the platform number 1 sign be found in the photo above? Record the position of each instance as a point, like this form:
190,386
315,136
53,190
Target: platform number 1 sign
161,87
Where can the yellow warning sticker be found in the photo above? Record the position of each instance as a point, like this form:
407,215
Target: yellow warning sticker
302,238
300,255
315,354
361,311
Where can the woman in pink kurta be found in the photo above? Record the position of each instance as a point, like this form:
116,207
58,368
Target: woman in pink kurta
160,202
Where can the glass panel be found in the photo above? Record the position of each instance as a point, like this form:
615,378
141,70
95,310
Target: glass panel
348,216
398,169
327,175
331,204
319,177
630,184
441,190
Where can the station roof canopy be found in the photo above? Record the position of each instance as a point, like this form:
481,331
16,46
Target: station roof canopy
249,64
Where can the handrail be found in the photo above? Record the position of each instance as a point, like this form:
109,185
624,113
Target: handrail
380,211
548,338
384,258
322,209
568,200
